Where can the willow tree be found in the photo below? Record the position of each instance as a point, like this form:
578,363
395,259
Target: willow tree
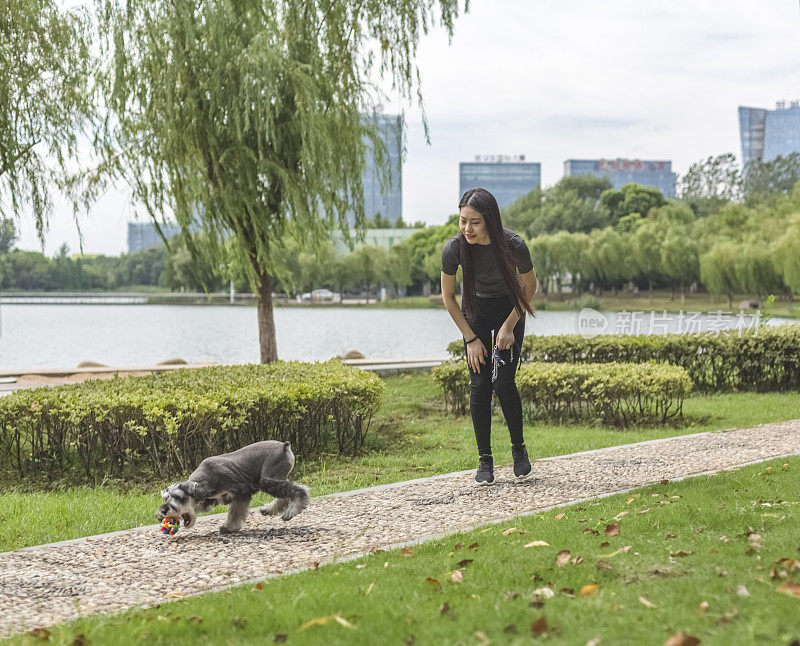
245,119
44,102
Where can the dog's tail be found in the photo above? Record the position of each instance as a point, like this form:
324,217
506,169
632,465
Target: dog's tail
290,498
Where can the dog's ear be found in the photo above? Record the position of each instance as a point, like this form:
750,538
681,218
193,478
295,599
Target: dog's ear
188,488
165,494
193,489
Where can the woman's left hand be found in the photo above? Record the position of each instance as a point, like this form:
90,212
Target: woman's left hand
504,339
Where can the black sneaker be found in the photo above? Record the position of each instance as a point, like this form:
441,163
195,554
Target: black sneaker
485,474
522,465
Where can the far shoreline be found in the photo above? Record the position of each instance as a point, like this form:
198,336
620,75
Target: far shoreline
660,301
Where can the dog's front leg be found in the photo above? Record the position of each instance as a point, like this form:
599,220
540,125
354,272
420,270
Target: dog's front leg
237,514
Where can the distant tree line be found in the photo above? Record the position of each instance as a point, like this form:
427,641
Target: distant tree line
729,232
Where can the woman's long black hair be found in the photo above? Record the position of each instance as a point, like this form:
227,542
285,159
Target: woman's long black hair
484,203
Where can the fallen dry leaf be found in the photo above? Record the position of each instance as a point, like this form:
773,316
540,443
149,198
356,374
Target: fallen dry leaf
544,592
361,566
281,638
314,566
588,590
681,553
474,546
604,544
458,546
510,530
742,591
484,640
577,560
671,536
612,530
456,576
444,608
602,565
537,544
432,581
258,586
619,551
701,609
464,562
408,553
562,558
682,639
789,564
647,603
40,633
593,642
321,621
560,516
539,627
175,594
369,589
790,588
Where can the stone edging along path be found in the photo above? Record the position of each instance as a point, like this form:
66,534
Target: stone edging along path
55,583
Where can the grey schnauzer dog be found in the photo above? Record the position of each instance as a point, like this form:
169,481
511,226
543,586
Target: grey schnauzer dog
232,479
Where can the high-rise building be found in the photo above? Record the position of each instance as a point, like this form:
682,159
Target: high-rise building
765,134
657,174
388,203
507,177
143,235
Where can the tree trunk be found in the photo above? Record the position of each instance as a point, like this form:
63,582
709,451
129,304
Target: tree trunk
266,321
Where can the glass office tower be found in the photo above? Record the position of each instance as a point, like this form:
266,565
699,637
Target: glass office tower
507,177
388,203
657,174
143,235
765,134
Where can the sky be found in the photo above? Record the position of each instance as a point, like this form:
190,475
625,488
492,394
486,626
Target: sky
555,80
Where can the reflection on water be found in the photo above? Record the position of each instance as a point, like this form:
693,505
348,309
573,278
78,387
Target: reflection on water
60,336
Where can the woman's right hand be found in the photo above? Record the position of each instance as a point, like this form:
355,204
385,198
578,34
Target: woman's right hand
476,355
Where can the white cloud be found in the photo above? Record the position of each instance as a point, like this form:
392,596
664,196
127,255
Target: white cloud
568,79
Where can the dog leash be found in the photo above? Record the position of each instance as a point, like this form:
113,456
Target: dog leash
497,360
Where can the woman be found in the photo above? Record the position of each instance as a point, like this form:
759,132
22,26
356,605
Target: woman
495,300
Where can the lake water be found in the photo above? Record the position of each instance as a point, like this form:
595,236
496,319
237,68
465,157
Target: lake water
60,336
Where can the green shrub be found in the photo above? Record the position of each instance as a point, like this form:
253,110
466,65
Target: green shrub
453,377
166,424
618,394
767,359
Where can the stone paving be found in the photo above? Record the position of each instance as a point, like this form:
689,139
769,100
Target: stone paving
55,583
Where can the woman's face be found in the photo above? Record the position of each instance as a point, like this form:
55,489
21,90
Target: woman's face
473,227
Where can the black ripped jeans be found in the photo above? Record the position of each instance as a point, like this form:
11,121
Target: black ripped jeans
490,315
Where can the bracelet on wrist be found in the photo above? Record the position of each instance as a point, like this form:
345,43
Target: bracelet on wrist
472,339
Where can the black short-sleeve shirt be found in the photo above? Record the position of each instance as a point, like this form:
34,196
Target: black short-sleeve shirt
488,279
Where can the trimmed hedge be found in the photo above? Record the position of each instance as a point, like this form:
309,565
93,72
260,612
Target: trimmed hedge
164,425
763,360
618,394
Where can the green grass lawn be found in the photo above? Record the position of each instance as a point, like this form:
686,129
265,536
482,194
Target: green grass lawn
715,557
413,436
